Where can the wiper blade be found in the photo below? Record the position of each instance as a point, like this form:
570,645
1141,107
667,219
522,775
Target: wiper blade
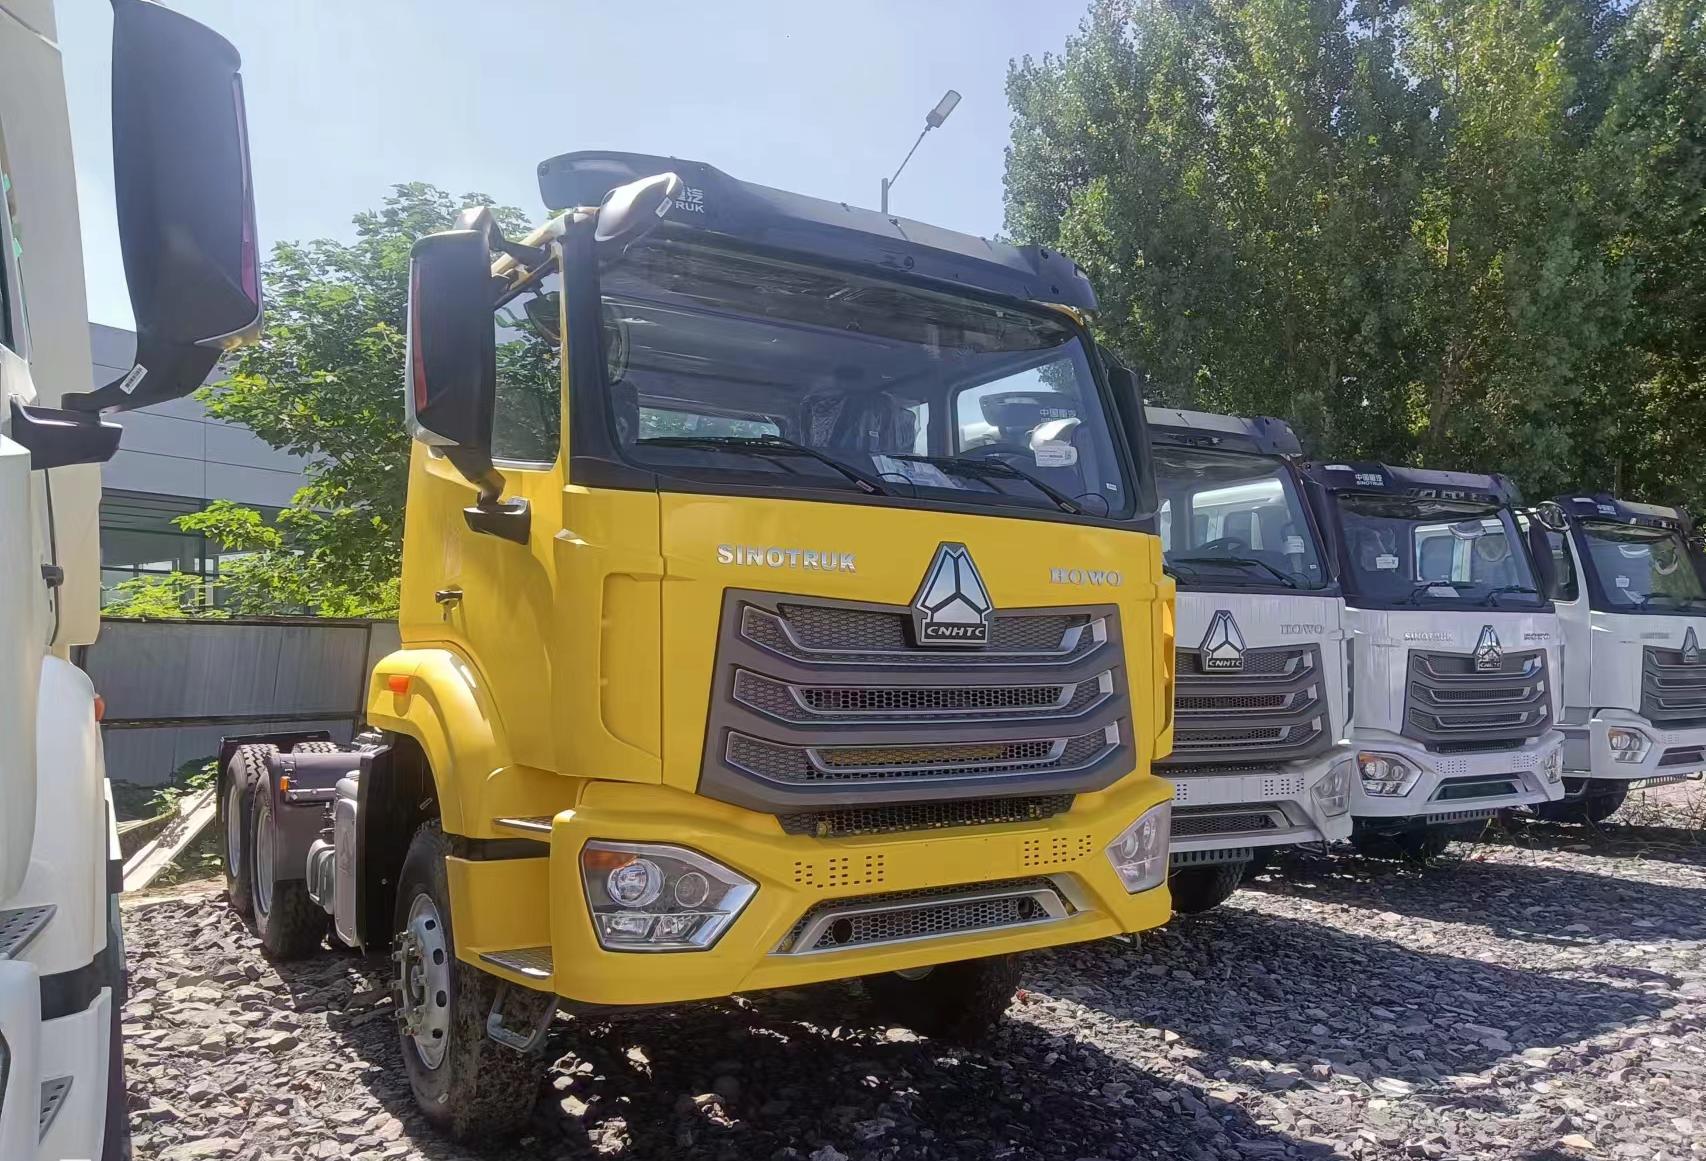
1502,589
984,466
1284,578
770,445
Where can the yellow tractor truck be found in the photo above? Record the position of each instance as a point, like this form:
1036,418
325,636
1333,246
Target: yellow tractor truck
781,603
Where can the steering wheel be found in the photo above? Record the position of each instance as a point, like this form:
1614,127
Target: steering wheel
1226,544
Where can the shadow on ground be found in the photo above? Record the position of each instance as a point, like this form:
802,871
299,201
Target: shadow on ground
1511,898
1659,844
809,1070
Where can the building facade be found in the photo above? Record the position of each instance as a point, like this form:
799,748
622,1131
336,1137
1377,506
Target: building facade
173,460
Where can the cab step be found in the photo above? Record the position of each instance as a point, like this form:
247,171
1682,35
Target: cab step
19,927
538,824
53,1094
532,962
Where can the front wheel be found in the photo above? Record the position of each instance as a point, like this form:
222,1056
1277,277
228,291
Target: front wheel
467,1085
1199,889
962,1002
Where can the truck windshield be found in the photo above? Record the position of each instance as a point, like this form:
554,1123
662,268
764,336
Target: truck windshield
726,366
1406,550
1641,568
1233,518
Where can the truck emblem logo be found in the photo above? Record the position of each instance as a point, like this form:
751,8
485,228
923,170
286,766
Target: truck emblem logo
952,606
1690,648
1223,645
1489,658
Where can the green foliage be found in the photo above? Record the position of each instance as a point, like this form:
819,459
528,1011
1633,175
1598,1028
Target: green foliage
1466,233
326,383
169,596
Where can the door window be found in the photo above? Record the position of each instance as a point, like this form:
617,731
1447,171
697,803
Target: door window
527,412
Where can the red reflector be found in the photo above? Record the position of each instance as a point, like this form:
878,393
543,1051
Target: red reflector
100,707
397,683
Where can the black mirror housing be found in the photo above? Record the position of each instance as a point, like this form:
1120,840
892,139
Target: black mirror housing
629,212
58,439
451,366
186,212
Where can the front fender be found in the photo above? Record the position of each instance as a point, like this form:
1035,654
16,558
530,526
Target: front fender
445,705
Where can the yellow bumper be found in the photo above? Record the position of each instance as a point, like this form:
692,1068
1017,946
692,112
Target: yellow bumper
509,904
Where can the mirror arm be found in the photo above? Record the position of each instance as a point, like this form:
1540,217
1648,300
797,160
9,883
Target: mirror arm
491,514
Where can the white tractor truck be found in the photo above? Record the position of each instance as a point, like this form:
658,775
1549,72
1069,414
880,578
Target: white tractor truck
1627,581
1259,756
1454,653
187,234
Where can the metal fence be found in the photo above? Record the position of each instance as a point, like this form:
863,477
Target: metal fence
173,688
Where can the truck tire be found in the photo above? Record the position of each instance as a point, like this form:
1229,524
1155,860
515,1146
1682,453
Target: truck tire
290,924
248,765
961,1002
467,1085
316,748
1599,803
1199,889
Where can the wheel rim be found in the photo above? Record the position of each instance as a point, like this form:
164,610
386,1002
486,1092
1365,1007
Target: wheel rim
263,862
233,831
423,980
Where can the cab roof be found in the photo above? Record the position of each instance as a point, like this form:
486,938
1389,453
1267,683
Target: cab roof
715,202
1386,479
1262,434
1604,506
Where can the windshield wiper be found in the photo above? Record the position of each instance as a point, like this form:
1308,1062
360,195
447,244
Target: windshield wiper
1681,600
985,466
769,445
1454,585
1284,578
1502,589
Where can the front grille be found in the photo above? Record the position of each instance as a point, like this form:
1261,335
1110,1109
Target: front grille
1274,708
788,763
1195,823
1673,693
903,816
905,916
826,705
1452,706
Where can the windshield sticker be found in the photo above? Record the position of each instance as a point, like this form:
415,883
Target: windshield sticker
1338,467
1441,591
1055,455
914,472
1622,582
1386,562
1293,546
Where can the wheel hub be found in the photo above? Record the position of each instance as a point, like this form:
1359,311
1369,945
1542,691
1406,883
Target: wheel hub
423,981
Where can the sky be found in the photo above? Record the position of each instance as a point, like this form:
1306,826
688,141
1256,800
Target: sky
348,97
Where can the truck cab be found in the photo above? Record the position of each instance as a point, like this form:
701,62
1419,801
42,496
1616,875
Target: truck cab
1627,581
1260,758
1454,651
781,603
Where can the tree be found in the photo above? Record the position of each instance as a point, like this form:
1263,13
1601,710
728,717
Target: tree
1412,227
326,383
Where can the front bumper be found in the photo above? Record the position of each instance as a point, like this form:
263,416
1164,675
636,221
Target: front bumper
1669,753
533,911
1262,807
1460,787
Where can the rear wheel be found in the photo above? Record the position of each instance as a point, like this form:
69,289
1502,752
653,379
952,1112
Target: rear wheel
467,1085
289,922
245,770
1199,889
962,1002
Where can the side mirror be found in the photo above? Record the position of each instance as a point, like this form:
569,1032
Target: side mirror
57,439
451,365
1128,408
629,212
186,212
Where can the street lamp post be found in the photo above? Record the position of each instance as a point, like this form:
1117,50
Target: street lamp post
932,120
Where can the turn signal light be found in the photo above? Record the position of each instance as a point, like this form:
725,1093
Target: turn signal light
397,683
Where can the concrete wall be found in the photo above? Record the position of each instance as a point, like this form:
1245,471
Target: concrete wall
174,688
175,449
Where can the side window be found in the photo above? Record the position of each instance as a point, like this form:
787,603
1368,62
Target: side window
527,414
1563,567
13,325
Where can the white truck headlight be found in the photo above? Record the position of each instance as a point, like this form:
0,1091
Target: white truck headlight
1627,745
1386,775
1139,852
658,897
1333,792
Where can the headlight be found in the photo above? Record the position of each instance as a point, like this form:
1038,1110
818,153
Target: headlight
655,897
1139,852
1386,775
1333,793
1627,745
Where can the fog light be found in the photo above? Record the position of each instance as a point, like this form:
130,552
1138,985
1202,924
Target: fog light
1139,852
1386,775
1627,745
658,897
1333,792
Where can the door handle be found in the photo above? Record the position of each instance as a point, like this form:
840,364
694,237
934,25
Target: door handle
447,599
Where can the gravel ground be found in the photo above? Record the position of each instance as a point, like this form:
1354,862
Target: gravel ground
1542,996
